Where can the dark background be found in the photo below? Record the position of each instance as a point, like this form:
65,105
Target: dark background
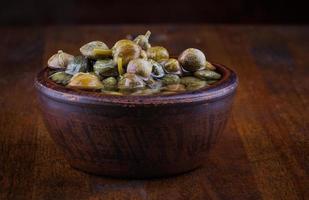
70,12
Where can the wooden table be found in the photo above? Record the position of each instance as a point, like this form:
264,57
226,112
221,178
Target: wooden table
263,153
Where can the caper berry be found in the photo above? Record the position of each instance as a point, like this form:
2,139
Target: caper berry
127,50
132,67
157,53
140,67
169,79
172,66
192,59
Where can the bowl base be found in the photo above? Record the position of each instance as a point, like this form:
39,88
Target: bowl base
136,172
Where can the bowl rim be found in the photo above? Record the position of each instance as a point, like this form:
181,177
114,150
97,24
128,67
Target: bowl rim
224,87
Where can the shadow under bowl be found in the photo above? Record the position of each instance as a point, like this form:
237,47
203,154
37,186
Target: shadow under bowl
135,136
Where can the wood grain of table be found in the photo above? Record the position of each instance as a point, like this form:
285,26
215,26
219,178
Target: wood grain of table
262,154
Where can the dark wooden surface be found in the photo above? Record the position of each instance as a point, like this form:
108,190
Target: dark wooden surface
263,154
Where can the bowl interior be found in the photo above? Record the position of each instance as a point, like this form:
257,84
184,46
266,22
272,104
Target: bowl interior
225,86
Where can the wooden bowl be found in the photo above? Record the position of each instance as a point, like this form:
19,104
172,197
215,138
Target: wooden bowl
135,136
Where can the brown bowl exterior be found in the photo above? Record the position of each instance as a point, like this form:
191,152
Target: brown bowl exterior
135,137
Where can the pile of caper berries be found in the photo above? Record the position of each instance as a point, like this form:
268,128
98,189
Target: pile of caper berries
132,67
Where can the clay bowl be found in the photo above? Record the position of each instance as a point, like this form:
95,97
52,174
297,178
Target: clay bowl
136,136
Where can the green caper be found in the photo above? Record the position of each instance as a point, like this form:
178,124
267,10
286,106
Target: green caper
157,69
105,68
172,66
59,60
196,85
85,81
88,49
61,77
140,67
189,79
153,84
127,50
193,83
192,60
207,75
157,53
110,84
169,79
78,64
130,82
